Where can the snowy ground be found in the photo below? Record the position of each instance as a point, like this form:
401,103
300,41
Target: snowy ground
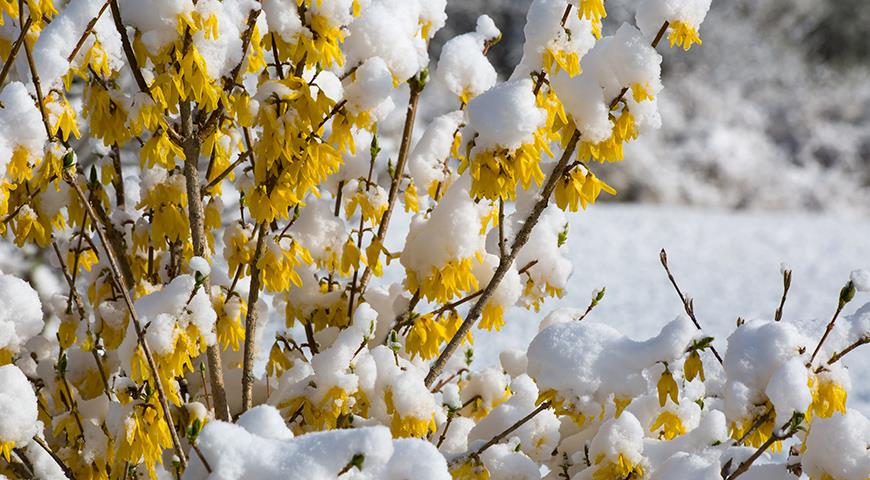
729,262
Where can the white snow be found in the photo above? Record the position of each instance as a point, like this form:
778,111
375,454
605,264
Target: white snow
837,446
20,313
17,407
505,116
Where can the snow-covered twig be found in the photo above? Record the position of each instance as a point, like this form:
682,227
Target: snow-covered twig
115,271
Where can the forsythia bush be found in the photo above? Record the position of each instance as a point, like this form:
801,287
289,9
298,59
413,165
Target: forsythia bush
213,185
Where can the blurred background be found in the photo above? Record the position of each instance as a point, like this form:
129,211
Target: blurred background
771,112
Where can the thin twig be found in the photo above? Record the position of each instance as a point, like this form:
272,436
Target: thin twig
846,294
842,353
201,457
251,322
14,52
60,463
501,436
404,147
244,156
505,262
88,29
34,75
688,304
80,308
140,333
774,437
786,284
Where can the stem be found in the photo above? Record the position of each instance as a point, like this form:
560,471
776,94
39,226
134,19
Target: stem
120,196
688,304
828,329
128,48
251,322
80,308
60,463
196,216
88,29
128,301
34,75
505,262
404,147
211,123
842,353
775,437
14,52
501,241
225,173
501,436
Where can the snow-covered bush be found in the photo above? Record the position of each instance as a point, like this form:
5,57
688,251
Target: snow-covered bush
275,231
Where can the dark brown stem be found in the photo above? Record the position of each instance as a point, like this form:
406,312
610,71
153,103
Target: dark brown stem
404,147
128,301
501,242
128,48
88,29
842,353
244,156
34,75
786,284
688,304
774,437
80,308
120,197
7,66
201,457
251,322
57,460
501,436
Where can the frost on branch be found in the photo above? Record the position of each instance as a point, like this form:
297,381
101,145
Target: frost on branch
273,227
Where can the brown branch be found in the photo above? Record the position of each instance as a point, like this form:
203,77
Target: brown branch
120,196
211,123
755,426
7,66
251,322
128,48
244,156
196,217
842,353
846,294
34,75
501,436
11,215
774,437
688,304
404,147
505,262
88,29
80,308
501,240
128,301
201,457
63,466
